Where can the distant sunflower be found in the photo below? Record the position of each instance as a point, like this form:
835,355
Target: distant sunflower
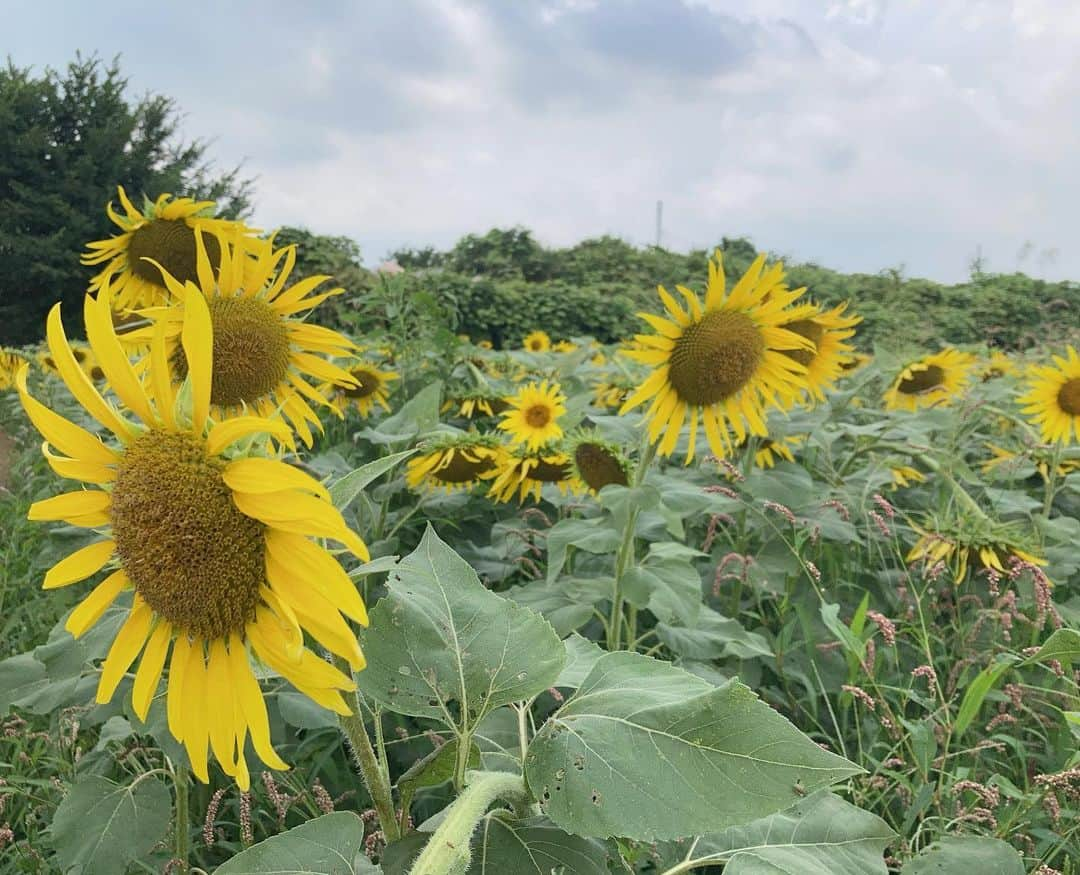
524,472
217,546
960,550
856,362
827,329
564,346
163,232
1005,461
597,463
722,362
263,353
537,341
1053,398
532,417
11,362
769,451
999,365
372,387
933,381
459,462
476,402
904,476
613,390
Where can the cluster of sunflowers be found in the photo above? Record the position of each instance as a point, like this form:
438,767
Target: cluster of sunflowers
200,365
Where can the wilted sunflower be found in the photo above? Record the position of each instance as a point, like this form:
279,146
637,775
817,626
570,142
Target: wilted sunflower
476,402
998,365
1007,461
524,472
11,362
263,353
961,546
933,381
164,232
721,362
217,547
827,329
372,387
597,463
904,476
532,417
1053,398
537,341
455,462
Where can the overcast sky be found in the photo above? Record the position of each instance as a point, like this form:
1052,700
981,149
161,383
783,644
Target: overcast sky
861,134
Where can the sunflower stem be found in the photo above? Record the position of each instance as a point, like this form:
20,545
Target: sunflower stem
625,556
182,830
375,779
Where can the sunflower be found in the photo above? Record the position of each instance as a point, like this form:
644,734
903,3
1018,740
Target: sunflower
263,353
721,362
372,387
537,341
932,381
959,549
532,417
1007,461
856,362
613,390
597,463
1053,398
525,472
163,232
904,476
215,544
476,402
998,365
827,329
565,346
10,364
453,463
769,450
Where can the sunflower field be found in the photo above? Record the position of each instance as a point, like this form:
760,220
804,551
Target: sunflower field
736,594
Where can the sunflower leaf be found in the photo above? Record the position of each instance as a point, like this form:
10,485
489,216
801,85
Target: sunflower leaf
329,845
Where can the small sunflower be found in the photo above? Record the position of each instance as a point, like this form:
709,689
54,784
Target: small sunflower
904,476
476,402
999,365
459,462
769,451
163,232
827,329
372,387
933,381
263,353
1053,398
720,363
11,362
525,472
961,547
216,545
565,346
597,463
537,341
855,363
1003,460
613,390
532,417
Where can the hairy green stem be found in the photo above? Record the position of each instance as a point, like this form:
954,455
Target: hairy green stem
182,836
448,851
624,558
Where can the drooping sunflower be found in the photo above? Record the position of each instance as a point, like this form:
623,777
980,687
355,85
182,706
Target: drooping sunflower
769,450
165,232
536,341
457,462
215,544
532,417
11,362
964,546
1053,398
1005,462
263,352
372,387
998,365
525,472
933,381
472,403
597,463
827,329
721,363
904,476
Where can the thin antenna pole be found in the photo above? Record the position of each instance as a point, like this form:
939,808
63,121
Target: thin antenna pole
659,222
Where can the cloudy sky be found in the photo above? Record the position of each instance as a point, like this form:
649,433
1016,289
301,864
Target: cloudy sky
858,133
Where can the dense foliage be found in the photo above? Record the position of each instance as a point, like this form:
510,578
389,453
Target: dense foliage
67,138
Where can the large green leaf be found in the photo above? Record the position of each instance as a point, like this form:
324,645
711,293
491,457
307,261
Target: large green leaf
1063,645
966,855
343,491
440,645
713,636
101,826
647,751
595,535
820,835
329,845
534,847
21,678
976,693
567,603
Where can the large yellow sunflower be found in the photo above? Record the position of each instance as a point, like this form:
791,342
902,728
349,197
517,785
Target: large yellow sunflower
1053,398
263,352
532,417
537,341
163,232
828,329
372,387
720,363
933,381
459,462
215,544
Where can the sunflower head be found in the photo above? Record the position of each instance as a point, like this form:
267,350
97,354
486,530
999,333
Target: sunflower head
597,463
372,386
933,381
971,542
721,361
458,462
524,472
827,330
998,365
564,346
768,450
11,362
1052,401
904,476
536,341
855,363
533,413
162,234
475,402
213,541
